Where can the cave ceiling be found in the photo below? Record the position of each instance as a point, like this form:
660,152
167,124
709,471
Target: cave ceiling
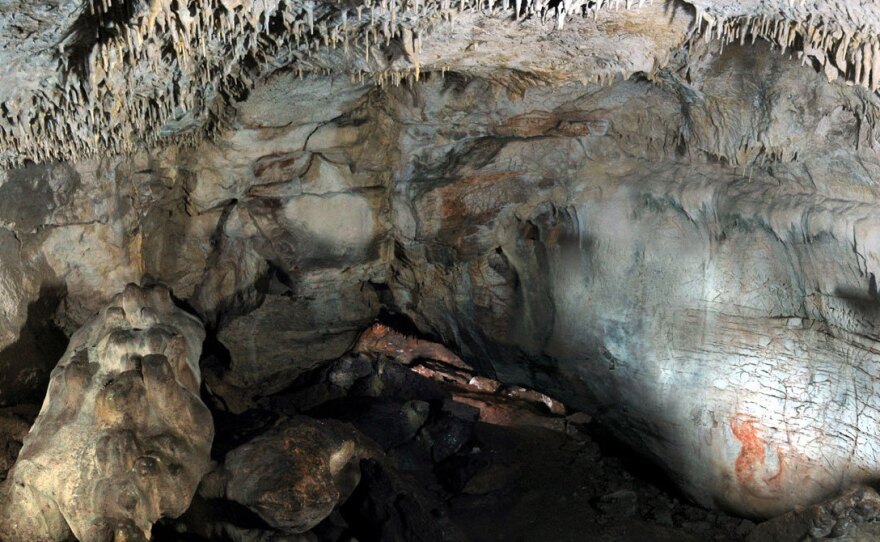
85,78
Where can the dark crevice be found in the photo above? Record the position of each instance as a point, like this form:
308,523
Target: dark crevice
27,362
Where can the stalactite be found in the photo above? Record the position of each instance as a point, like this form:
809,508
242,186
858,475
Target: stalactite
133,58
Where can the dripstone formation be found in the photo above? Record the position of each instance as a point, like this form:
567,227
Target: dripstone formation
122,438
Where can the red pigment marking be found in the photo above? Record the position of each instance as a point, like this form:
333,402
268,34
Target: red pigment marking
752,456
454,197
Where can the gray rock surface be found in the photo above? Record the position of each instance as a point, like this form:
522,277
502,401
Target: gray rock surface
282,338
729,293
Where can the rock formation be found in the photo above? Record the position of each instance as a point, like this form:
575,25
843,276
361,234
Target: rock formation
113,74
122,438
730,295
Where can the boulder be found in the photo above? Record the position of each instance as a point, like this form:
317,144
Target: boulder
295,474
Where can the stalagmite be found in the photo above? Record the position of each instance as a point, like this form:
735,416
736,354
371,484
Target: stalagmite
123,437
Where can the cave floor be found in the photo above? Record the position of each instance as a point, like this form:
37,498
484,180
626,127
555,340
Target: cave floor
550,485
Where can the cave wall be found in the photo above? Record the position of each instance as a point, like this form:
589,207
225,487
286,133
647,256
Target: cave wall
719,311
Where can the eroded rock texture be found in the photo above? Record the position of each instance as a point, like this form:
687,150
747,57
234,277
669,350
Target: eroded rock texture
851,517
122,438
722,320
84,77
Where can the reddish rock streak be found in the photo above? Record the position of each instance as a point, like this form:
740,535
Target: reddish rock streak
751,461
381,339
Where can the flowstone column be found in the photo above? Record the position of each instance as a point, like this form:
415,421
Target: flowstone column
122,438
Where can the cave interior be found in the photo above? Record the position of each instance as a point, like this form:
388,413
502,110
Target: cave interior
424,271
